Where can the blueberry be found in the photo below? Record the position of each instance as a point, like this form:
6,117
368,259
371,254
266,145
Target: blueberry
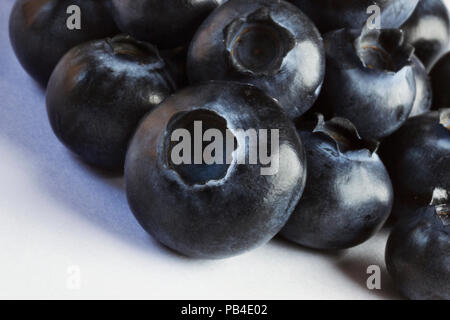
214,209
418,253
166,23
348,194
369,80
270,44
440,78
424,92
330,15
428,30
98,93
40,37
418,159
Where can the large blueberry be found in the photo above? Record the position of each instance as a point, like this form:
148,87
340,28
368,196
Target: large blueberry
330,15
214,209
40,36
440,80
348,194
98,93
166,23
428,30
418,252
418,159
270,44
369,80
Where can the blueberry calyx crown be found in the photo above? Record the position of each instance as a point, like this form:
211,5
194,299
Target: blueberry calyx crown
344,133
383,49
195,122
444,117
257,45
127,48
441,203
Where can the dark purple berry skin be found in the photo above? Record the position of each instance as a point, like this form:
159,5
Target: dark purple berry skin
440,79
369,80
424,92
348,194
418,160
418,254
176,62
220,210
40,37
269,44
330,15
165,23
98,93
428,30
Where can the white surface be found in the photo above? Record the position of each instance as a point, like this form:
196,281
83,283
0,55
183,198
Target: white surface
56,213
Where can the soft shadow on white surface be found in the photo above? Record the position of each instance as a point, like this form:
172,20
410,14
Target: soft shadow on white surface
96,196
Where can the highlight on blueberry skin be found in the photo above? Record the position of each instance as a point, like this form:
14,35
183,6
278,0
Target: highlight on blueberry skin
270,44
418,160
165,23
98,93
369,80
348,194
418,251
212,209
330,15
440,79
428,30
40,37
424,91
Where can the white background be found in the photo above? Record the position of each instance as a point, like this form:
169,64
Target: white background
56,213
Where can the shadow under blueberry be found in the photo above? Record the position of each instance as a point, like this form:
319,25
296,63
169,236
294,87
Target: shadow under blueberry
293,247
351,266
95,195
356,270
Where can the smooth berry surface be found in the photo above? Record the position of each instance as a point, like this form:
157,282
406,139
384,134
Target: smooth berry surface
217,210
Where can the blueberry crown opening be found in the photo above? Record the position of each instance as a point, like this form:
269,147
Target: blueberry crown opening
383,50
197,146
344,134
130,49
258,45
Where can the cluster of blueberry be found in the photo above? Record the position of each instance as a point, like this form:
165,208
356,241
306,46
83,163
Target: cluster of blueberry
361,114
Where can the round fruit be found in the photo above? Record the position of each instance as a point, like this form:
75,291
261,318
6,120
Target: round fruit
270,44
418,159
369,80
98,93
215,209
40,36
428,30
166,23
418,253
440,79
348,194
